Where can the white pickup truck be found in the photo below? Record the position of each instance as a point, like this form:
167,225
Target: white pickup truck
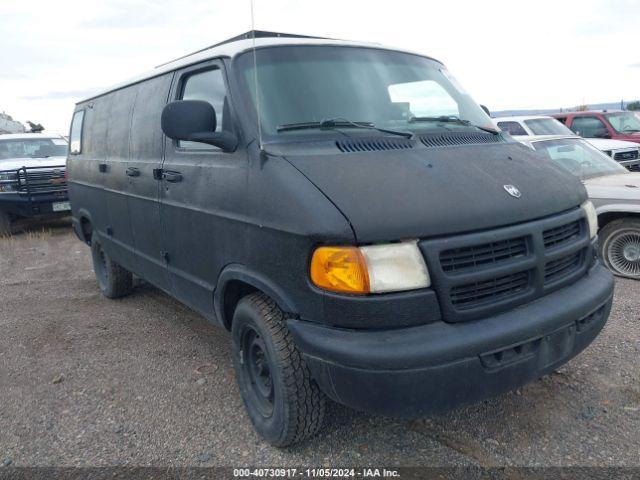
32,177
625,153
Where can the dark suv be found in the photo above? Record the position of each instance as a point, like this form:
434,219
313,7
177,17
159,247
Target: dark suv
350,215
614,124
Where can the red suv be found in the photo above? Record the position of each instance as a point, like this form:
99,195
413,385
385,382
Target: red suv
616,124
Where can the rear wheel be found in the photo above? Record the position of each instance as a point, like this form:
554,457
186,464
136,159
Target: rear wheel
283,401
5,224
620,247
114,280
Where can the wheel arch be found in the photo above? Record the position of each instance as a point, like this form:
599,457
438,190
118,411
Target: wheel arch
610,214
83,226
235,282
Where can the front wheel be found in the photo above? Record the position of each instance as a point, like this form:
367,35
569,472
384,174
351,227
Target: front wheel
620,247
283,401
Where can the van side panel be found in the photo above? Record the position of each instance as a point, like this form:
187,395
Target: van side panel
146,147
116,181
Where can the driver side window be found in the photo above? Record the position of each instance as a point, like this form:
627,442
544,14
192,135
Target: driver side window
208,86
589,127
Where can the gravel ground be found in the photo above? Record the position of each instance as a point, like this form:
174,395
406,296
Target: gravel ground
87,381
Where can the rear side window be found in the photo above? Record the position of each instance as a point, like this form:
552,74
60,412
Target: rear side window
208,86
589,127
512,128
75,138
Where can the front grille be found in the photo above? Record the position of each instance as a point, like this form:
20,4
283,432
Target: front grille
39,181
482,274
634,167
489,291
621,156
495,252
560,268
559,235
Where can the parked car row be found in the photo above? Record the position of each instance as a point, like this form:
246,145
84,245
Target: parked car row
627,153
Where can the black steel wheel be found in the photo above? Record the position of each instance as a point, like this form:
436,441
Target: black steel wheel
283,402
257,369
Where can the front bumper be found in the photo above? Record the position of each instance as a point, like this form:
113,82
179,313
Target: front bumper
33,205
418,370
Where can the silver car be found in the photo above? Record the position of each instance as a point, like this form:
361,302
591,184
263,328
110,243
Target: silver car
614,191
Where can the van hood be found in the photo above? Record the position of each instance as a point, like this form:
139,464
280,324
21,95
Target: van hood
425,192
622,186
15,163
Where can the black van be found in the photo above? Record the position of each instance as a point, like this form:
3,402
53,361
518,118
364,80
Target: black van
350,214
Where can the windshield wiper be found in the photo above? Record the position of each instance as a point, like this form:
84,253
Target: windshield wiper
331,123
452,119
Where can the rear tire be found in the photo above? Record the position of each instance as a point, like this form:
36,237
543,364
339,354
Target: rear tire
114,281
283,401
620,247
5,224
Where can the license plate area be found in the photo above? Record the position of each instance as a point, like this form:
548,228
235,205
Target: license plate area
61,206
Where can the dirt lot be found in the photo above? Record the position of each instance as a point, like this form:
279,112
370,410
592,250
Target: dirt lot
145,381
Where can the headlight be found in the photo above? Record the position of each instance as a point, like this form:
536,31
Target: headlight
592,217
373,269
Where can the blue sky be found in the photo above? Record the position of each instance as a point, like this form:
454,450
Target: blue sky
507,54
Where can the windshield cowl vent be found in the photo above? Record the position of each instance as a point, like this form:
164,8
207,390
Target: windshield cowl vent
466,138
373,145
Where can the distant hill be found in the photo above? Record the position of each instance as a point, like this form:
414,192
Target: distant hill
547,111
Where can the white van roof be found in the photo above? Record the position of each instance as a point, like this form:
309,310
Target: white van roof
239,44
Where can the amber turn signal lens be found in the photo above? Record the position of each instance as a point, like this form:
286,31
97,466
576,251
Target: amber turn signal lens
340,269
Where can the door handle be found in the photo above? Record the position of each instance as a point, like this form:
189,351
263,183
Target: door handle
133,172
102,167
172,177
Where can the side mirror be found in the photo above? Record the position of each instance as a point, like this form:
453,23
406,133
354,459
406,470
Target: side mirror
195,121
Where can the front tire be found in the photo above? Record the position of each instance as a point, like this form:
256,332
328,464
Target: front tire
620,247
114,281
5,224
283,401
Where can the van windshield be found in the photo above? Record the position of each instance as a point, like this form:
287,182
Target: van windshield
308,85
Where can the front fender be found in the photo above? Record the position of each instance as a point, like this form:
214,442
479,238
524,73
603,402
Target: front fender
618,208
239,272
